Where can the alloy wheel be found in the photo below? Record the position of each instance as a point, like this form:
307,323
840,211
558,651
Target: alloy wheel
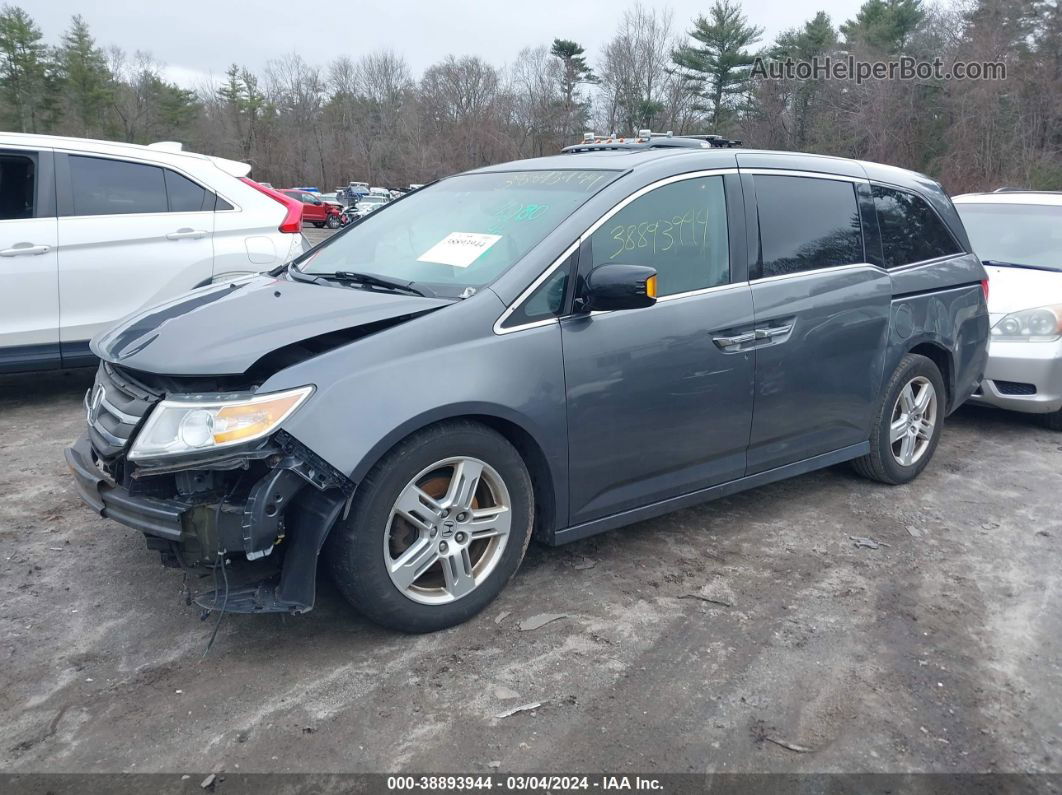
447,530
914,418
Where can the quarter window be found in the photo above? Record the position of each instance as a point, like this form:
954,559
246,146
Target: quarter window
910,230
545,302
186,196
678,229
115,187
807,223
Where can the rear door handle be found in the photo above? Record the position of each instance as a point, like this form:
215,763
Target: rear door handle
23,249
186,233
776,331
729,342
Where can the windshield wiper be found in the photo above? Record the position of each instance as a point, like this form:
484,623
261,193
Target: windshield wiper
1001,264
373,280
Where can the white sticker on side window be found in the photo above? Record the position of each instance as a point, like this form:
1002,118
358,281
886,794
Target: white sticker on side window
459,249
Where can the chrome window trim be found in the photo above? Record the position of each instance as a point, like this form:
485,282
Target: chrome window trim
817,271
788,172
924,262
712,172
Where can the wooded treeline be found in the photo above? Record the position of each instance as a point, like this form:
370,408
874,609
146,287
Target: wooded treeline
371,118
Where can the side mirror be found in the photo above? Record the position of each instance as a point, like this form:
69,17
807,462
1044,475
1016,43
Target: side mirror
615,286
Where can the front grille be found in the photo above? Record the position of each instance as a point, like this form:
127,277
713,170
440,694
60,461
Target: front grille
115,406
1015,388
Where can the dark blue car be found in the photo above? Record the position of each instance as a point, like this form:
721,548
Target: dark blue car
549,348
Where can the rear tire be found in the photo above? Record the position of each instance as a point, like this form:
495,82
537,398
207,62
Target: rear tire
318,224
905,435
1053,421
399,557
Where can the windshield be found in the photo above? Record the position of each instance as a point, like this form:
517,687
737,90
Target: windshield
461,232
1024,234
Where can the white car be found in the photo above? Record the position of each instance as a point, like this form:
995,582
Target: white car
367,204
92,231
1018,236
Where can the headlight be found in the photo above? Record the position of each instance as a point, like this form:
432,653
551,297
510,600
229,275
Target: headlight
1036,325
189,426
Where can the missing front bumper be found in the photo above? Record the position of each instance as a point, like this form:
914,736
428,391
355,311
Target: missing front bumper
290,502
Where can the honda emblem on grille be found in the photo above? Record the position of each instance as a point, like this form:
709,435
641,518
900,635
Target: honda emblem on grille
95,401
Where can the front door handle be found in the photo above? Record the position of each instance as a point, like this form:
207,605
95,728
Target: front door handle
186,234
729,342
22,249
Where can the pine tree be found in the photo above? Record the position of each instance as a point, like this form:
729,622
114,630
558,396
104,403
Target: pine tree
719,67
85,80
576,71
23,70
885,25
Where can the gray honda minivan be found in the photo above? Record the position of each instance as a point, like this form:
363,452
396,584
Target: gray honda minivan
552,348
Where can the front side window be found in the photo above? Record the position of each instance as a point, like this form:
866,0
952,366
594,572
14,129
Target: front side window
116,187
679,229
461,232
17,187
807,223
910,230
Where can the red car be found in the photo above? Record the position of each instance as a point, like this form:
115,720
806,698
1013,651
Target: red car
315,211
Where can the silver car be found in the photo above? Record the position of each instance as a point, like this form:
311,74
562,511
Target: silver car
1018,235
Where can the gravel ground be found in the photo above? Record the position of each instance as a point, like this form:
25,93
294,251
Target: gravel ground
707,640
687,643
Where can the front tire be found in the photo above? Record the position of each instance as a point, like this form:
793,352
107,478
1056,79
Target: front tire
1053,421
908,423
436,529
333,222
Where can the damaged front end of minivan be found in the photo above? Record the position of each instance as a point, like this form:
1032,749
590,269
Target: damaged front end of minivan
268,497
186,444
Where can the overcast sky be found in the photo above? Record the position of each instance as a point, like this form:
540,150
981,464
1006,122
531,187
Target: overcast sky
198,40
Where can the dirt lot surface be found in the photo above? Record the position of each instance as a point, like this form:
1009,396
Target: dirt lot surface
708,640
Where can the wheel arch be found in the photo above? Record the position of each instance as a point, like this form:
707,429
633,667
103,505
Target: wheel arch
943,359
516,429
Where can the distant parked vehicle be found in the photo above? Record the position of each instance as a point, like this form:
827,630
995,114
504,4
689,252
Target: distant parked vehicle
352,193
1018,236
317,212
368,204
91,231
416,185
380,192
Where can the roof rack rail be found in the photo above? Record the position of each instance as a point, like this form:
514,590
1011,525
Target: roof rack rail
647,139
1024,190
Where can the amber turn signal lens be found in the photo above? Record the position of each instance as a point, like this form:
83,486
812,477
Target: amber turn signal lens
650,287
240,422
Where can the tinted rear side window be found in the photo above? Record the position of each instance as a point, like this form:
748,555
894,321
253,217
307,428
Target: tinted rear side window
17,187
910,230
807,223
187,196
115,187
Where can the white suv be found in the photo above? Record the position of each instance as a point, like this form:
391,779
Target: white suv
91,231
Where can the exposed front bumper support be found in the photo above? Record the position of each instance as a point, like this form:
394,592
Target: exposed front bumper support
309,514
